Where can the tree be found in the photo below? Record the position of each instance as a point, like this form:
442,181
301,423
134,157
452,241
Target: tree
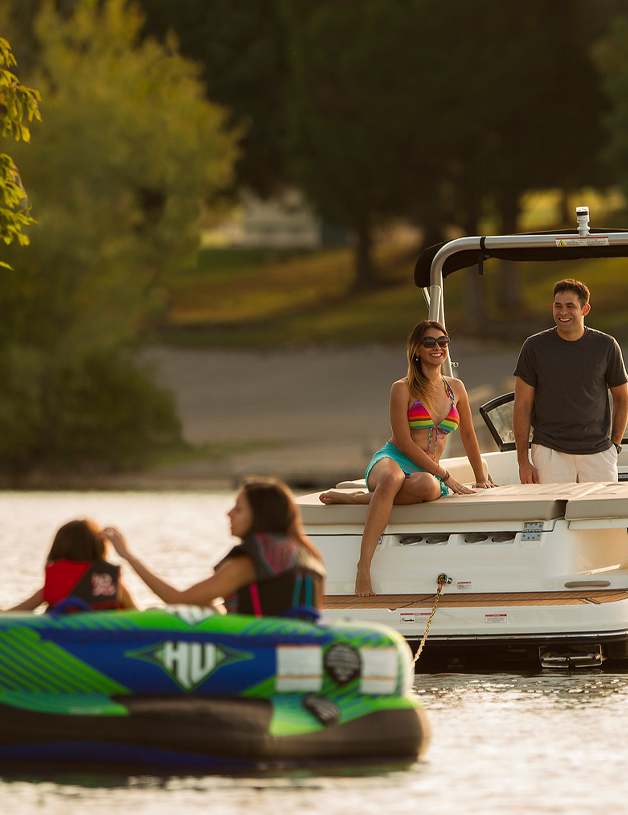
357,131
611,57
242,50
129,149
443,112
17,103
515,120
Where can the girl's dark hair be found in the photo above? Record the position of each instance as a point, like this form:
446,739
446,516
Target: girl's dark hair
81,541
274,510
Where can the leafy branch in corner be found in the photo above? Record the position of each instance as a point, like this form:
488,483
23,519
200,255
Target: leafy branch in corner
19,106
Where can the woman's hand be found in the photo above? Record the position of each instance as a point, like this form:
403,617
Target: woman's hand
118,541
484,484
457,487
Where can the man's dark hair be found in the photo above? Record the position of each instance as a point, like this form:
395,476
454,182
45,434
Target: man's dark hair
569,284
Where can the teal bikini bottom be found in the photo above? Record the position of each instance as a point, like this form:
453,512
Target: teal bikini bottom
390,451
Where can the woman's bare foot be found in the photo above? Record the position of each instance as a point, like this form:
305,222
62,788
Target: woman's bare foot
342,497
363,587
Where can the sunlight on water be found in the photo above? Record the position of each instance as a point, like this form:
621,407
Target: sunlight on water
507,744
180,535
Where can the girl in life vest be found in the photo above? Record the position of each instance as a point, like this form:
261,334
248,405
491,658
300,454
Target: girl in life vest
273,571
77,574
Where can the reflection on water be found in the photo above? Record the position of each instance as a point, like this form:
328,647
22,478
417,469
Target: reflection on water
560,690
501,743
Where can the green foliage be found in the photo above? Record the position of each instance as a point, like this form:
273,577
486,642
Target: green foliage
104,400
130,150
17,101
20,406
512,121
17,104
611,55
242,48
357,122
128,153
443,112
99,415
355,106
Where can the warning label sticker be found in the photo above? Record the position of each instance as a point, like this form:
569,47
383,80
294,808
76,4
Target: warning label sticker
414,616
585,240
464,585
495,618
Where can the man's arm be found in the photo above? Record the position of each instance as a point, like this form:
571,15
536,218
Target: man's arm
620,412
521,419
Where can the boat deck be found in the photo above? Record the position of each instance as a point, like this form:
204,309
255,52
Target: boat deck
392,602
597,504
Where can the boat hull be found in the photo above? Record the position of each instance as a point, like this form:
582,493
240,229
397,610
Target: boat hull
490,638
528,570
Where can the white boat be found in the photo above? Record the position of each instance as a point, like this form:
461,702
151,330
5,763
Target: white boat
519,575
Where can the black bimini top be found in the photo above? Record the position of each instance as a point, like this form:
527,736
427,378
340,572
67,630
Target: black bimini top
575,248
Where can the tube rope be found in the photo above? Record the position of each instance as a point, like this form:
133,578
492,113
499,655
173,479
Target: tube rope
442,581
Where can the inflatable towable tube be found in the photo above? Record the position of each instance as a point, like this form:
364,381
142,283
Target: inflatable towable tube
183,688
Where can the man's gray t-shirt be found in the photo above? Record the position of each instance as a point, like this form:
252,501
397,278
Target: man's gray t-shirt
571,411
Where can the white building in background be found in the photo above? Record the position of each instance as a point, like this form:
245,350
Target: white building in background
282,222
285,221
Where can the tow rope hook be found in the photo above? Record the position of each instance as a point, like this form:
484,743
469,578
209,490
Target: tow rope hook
443,580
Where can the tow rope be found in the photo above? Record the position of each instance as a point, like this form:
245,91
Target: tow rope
442,581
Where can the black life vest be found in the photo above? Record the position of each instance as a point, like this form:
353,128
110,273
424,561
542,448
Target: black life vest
293,593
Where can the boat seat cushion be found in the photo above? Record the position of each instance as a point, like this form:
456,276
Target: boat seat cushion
510,503
607,501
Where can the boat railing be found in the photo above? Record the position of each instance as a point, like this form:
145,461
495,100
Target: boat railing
465,252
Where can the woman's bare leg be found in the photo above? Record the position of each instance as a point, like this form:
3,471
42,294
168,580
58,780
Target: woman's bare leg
343,497
418,488
390,486
385,481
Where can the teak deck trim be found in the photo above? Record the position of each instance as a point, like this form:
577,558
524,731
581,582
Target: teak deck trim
392,602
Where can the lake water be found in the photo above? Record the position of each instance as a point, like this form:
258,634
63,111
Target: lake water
501,743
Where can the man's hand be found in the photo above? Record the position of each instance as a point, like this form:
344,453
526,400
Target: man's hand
528,474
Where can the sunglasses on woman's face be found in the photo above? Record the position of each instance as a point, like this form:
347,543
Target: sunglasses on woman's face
430,342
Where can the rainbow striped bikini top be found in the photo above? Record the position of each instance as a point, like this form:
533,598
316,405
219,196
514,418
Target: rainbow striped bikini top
420,419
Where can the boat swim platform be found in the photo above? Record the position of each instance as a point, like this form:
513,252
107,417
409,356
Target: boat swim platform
583,505
394,602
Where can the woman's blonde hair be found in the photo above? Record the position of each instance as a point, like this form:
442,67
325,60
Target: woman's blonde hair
419,386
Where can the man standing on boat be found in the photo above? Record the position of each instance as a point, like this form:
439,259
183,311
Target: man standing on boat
563,376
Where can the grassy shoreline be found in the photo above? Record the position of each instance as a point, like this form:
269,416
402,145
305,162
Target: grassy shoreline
242,299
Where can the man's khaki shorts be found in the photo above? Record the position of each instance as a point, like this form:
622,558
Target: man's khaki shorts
557,468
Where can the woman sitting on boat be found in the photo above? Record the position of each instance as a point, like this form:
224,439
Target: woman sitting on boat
77,576
425,407
274,571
